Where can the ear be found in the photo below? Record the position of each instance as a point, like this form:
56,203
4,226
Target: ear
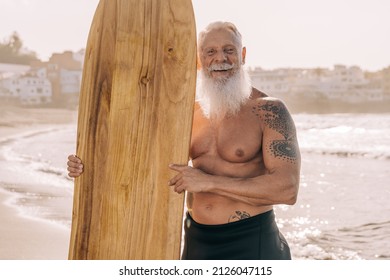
243,55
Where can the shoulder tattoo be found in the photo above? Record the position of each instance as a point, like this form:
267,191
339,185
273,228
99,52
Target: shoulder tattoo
277,117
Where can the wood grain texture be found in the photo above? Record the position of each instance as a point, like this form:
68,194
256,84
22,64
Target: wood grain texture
135,117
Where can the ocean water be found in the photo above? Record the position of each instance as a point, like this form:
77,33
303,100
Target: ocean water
33,169
342,210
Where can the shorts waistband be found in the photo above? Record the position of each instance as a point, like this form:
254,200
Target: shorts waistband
266,218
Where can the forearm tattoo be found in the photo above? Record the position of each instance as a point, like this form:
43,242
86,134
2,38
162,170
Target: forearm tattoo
238,215
278,118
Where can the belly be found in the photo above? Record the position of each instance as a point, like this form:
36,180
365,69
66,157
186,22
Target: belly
211,209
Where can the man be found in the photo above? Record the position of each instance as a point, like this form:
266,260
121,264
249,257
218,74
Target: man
245,159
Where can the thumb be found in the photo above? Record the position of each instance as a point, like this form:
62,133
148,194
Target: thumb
177,167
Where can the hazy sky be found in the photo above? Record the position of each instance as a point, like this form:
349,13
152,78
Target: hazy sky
277,33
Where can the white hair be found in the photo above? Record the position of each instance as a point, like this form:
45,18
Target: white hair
220,25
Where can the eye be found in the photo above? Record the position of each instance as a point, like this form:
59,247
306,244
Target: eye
230,50
210,52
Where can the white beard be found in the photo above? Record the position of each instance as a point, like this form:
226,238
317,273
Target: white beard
219,98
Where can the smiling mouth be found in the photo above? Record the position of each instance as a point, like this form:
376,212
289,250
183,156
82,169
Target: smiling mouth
220,67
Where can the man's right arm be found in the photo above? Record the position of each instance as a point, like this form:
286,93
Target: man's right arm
75,166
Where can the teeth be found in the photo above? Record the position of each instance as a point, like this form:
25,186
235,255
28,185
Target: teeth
220,67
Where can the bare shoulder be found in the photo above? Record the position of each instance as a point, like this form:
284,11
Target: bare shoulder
271,111
260,98
256,94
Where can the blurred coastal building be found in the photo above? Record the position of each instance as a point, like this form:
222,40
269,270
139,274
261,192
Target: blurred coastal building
342,83
29,88
55,82
386,82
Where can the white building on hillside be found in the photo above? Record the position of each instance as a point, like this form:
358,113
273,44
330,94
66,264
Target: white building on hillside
349,84
32,88
276,83
310,83
341,83
8,70
70,81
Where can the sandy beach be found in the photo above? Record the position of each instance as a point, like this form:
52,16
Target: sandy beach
23,237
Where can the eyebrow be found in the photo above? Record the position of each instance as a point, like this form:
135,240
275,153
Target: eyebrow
223,47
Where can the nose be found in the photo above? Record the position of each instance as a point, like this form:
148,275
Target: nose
221,56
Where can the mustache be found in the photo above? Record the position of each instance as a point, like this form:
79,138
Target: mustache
220,67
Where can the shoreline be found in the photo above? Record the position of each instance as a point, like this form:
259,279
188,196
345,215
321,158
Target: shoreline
23,237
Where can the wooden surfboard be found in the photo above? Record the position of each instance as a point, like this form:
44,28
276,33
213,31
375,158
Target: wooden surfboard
135,117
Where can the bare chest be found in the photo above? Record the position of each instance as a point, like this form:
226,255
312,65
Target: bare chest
235,140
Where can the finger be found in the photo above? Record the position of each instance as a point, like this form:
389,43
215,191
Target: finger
179,191
75,165
73,174
175,179
74,169
178,167
74,158
179,186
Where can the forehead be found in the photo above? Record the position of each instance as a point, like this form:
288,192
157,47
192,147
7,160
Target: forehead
219,38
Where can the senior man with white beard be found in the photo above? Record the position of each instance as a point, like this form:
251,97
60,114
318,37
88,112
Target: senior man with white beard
245,159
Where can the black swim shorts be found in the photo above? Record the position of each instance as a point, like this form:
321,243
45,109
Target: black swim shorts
254,238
